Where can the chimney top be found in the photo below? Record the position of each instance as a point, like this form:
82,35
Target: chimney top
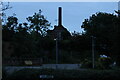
59,16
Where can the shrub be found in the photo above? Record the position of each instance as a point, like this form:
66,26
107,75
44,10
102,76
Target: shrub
104,62
86,64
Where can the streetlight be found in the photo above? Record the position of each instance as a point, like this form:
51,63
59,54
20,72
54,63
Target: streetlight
93,52
56,51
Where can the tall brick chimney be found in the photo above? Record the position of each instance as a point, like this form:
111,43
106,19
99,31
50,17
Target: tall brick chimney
59,16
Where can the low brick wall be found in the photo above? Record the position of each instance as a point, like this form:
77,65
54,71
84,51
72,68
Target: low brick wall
11,69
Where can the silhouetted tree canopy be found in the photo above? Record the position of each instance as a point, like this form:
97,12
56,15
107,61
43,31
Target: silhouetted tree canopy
27,38
30,38
105,27
39,23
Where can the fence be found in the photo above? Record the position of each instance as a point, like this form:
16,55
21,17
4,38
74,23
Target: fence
22,61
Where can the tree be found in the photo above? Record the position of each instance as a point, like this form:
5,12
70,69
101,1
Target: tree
104,27
8,29
2,9
39,23
28,39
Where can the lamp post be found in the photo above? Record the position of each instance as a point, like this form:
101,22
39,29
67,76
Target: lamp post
93,52
56,51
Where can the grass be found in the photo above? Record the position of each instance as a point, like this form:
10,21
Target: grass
83,74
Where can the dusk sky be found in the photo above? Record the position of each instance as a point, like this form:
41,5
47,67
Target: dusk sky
73,13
